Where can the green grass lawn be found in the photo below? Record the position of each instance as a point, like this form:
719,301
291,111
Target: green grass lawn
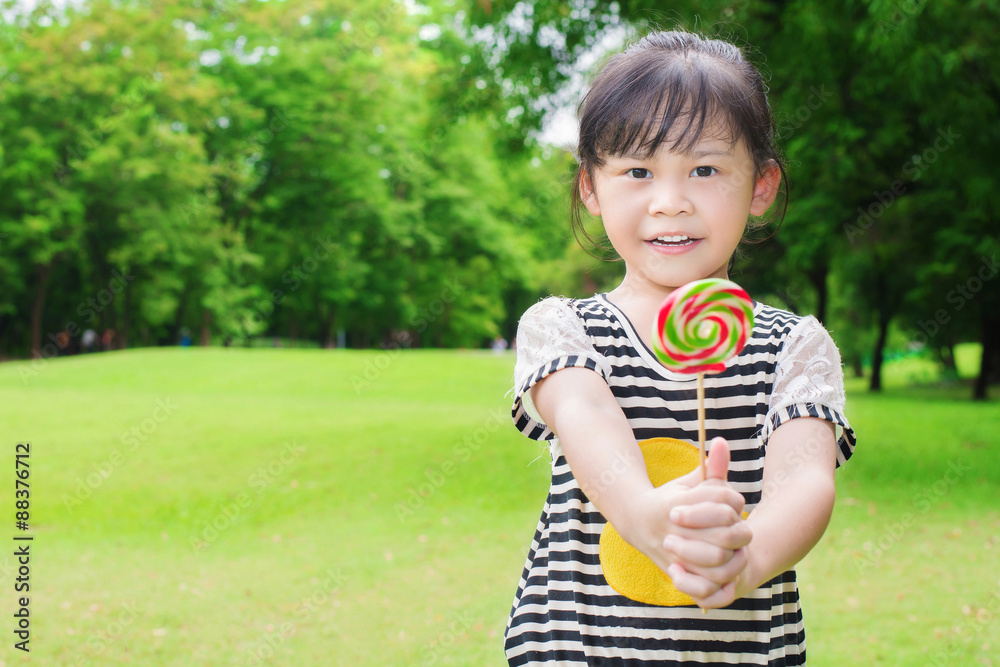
309,507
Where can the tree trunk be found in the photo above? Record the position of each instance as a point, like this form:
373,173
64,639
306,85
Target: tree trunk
109,316
946,353
883,329
817,276
437,340
43,271
822,299
859,367
993,364
123,337
790,302
884,317
174,330
206,328
325,320
331,328
989,365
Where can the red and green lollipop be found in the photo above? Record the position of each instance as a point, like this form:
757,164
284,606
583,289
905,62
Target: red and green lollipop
699,327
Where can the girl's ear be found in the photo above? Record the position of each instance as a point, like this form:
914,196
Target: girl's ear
587,193
766,189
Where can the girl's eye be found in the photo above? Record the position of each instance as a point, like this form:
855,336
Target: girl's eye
638,172
704,172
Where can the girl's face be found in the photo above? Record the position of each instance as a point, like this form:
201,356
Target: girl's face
678,217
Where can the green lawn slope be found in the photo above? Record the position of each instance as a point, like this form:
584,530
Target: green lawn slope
309,507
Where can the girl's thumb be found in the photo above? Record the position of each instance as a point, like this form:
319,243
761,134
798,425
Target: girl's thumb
717,466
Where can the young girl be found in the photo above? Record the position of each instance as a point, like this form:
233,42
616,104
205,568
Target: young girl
677,157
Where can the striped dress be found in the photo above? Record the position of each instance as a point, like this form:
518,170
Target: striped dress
564,611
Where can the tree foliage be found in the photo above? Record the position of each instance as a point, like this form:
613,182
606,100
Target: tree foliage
883,111
328,170
369,173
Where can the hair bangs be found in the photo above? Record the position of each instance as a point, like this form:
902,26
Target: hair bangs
675,105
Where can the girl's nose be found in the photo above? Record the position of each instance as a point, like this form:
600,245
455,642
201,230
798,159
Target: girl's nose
670,199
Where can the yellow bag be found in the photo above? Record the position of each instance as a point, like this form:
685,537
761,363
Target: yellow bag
628,570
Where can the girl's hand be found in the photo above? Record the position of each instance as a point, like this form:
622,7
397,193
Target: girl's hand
709,560
694,525
795,506
706,593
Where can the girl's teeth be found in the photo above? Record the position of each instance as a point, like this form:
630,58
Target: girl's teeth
673,239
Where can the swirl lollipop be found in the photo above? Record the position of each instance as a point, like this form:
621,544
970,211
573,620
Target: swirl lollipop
699,327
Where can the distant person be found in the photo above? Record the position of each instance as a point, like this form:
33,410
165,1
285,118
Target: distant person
499,345
88,340
108,339
185,337
63,344
677,158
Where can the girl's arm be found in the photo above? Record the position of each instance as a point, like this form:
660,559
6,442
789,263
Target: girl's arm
793,513
605,458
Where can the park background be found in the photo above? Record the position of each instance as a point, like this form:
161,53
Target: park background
303,223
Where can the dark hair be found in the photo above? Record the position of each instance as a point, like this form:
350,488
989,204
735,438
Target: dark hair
667,79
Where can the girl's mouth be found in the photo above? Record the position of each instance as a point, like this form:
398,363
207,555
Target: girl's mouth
673,245
676,241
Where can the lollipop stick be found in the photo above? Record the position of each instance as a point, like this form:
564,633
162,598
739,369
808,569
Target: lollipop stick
701,432
701,423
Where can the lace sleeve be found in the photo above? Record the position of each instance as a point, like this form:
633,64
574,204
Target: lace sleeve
550,337
810,383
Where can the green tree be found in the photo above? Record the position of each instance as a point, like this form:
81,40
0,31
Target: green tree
867,94
109,170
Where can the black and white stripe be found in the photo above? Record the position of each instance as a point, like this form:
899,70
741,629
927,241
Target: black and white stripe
564,612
